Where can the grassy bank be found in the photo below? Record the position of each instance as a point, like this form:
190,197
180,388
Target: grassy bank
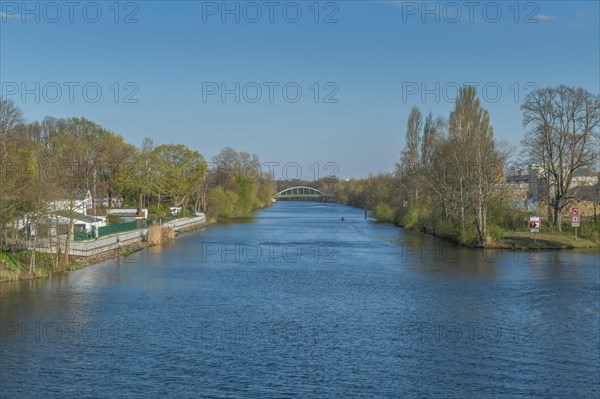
520,240
514,235
15,266
517,240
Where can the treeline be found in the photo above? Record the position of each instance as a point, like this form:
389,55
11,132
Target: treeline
450,179
236,185
59,159
232,184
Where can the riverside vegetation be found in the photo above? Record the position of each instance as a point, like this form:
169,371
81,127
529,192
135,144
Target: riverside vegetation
450,180
58,159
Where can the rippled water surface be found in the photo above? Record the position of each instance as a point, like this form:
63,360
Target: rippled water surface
298,303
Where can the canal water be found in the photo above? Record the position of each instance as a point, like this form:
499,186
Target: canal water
296,303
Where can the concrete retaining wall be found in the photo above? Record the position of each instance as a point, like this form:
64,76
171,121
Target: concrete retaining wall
180,224
114,241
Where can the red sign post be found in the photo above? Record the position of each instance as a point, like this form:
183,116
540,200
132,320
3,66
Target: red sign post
575,219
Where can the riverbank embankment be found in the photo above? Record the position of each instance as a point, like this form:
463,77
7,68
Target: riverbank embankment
89,252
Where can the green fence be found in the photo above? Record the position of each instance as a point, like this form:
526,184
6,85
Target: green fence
81,235
117,228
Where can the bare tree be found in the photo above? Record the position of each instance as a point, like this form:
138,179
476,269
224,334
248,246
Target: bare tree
433,131
562,138
414,126
407,168
11,118
472,145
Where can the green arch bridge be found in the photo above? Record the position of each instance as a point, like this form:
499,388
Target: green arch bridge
301,192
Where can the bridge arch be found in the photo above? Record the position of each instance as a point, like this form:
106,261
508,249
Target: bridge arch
300,192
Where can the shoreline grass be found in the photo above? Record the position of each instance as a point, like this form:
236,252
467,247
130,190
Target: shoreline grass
516,240
522,240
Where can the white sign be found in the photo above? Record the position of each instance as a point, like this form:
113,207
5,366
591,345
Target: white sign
534,224
574,217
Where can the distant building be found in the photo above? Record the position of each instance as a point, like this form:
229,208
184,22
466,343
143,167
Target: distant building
518,190
176,210
587,199
88,225
584,178
522,176
115,202
58,222
129,213
538,186
77,201
536,177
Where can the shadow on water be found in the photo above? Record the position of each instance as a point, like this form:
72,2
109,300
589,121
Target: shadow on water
237,220
427,254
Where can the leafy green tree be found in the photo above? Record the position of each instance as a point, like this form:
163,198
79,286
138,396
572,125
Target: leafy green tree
135,177
222,203
114,158
383,212
179,171
245,194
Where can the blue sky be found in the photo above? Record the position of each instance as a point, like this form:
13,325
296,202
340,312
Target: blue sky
374,59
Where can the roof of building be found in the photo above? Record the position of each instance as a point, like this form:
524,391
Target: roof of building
76,194
80,216
586,193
